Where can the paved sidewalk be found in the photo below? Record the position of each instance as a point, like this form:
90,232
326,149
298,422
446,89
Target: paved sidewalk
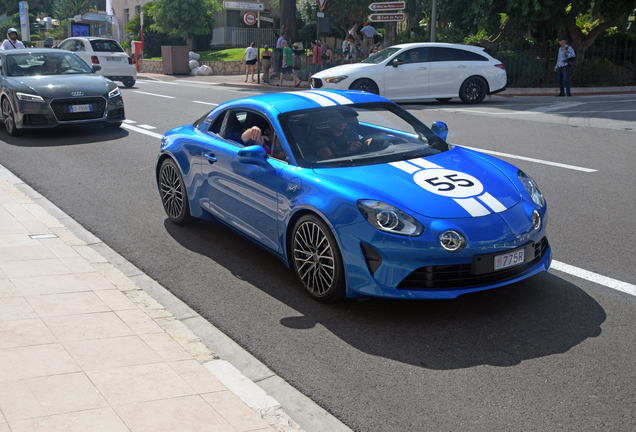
83,348
239,81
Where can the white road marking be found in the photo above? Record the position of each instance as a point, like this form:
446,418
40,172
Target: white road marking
143,131
154,94
539,161
555,107
129,121
206,103
148,127
595,277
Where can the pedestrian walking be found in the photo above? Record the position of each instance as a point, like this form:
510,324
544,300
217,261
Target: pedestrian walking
288,62
563,66
266,63
279,42
349,48
368,31
327,57
251,56
316,59
12,41
296,64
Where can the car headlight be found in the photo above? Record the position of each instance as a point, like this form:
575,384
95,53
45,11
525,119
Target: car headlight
336,79
386,217
29,97
114,93
532,188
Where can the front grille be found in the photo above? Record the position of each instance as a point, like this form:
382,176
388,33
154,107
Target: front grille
316,83
34,119
116,113
460,275
61,108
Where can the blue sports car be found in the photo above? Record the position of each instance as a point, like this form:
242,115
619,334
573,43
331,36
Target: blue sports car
356,195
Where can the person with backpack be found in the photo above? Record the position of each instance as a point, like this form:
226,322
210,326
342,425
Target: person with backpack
12,41
565,61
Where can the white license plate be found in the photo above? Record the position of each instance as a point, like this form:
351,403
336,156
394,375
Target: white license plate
80,108
510,259
117,59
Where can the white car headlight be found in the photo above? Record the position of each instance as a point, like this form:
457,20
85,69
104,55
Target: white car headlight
532,188
386,217
114,93
29,97
336,79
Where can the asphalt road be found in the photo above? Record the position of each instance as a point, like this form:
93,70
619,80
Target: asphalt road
554,352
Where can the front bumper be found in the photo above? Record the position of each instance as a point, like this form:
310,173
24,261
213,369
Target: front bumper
56,112
391,266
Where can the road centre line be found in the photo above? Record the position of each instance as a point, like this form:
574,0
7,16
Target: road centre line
206,103
539,161
594,277
154,94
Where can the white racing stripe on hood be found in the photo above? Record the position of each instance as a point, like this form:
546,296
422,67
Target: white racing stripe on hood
405,166
334,96
320,100
472,206
492,202
424,163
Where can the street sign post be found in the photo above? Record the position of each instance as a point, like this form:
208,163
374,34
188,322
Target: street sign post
249,18
25,31
266,19
387,6
234,5
387,17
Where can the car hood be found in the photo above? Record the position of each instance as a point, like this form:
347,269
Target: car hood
454,184
349,69
54,87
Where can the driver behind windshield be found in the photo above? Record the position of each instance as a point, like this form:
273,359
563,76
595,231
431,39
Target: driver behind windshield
53,65
337,133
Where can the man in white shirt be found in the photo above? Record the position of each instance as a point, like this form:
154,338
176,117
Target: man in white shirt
368,32
12,41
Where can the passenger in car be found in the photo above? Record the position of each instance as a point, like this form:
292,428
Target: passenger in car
263,138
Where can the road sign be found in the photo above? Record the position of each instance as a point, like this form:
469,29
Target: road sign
386,17
234,5
387,6
249,18
267,19
321,4
320,14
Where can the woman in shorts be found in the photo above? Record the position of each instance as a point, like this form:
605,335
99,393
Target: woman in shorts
250,57
296,62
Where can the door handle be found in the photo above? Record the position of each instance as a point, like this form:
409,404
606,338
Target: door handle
422,68
210,157
461,67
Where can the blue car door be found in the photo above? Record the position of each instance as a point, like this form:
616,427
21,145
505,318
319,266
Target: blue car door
242,195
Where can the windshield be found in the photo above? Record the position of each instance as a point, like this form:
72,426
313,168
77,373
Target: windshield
381,55
354,135
50,63
106,45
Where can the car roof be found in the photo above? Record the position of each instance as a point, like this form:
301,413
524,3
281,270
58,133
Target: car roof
276,103
35,51
439,44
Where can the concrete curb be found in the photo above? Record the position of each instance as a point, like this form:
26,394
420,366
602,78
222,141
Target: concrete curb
238,370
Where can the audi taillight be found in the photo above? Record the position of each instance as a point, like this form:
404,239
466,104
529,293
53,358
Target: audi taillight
94,59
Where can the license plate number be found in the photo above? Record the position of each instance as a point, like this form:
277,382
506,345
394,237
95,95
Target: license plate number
80,108
509,259
116,59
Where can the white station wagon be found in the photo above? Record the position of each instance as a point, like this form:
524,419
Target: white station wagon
417,71
115,63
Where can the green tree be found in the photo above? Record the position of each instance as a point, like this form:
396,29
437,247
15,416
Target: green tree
69,8
344,13
183,18
11,7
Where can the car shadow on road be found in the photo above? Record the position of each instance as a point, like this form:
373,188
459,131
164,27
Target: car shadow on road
538,317
63,136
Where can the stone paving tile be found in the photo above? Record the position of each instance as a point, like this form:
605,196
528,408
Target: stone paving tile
7,289
82,327
57,394
24,332
116,300
99,420
57,284
111,353
139,321
13,240
29,268
35,361
189,413
96,281
166,347
235,411
59,248
15,308
142,383
197,376
67,304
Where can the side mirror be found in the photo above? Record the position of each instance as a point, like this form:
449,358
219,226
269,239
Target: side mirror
96,68
397,62
440,129
253,155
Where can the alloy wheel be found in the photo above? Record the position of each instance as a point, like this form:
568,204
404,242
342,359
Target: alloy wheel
7,114
313,259
171,191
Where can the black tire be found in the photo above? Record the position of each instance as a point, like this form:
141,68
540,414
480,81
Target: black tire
473,90
129,82
316,260
365,85
443,100
8,118
173,193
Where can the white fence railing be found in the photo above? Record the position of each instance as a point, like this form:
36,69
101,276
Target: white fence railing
243,37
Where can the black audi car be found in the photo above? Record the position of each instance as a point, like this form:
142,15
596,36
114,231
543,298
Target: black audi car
45,88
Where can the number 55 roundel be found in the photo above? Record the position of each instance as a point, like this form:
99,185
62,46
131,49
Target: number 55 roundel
448,183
